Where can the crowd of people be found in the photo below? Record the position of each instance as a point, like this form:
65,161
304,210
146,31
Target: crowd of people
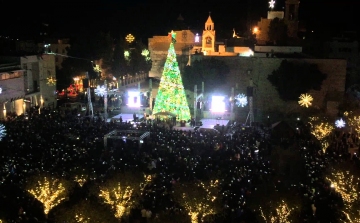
238,157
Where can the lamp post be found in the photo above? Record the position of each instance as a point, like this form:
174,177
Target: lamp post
105,101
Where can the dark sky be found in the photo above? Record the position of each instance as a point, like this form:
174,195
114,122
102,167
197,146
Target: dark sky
145,18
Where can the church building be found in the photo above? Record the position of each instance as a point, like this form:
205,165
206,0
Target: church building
190,42
290,17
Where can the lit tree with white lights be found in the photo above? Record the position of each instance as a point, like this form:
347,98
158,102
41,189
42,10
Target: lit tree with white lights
122,192
171,95
344,180
200,200
49,191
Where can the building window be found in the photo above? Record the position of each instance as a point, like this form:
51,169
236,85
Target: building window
208,40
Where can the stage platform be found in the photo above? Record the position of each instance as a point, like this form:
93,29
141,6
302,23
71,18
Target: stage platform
207,124
211,123
125,117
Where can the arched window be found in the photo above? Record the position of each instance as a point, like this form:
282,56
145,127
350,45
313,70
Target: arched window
208,40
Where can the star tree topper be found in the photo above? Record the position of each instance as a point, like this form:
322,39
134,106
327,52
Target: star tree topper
172,35
272,4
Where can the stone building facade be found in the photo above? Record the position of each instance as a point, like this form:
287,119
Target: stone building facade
266,98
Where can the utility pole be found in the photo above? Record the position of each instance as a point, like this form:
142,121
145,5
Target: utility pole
195,101
105,101
91,109
250,92
150,94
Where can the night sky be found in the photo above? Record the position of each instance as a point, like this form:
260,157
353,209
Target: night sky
145,18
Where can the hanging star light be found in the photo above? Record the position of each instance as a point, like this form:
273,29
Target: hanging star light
51,81
100,90
146,54
241,100
97,68
2,131
272,4
305,100
340,123
129,38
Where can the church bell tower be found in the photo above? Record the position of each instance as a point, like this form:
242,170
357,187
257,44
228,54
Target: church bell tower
292,17
208,37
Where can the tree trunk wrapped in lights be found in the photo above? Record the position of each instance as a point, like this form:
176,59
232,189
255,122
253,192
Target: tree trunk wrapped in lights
200,200
49,191
122,192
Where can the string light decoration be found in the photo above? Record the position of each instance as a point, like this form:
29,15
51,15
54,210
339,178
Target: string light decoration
272,4
305,100
50,192
129,38
2,132
81,218
281,214
200,200
321,130
100,90
127,55
340,123
120,193
81,180
97,68
346,184
353,121
241,100
171,95
51,81
146,54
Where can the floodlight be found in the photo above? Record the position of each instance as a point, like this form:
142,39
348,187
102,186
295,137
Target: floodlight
134,99
218,104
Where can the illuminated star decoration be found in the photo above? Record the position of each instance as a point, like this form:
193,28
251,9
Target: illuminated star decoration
0,90
51,81
340,123
172,35
100,90
2,131
146,54
130,38
305,100
272,4
241,100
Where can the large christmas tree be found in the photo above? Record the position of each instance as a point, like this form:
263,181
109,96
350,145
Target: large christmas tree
171,94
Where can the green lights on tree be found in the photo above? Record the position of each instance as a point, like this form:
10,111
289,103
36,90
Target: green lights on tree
171,94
